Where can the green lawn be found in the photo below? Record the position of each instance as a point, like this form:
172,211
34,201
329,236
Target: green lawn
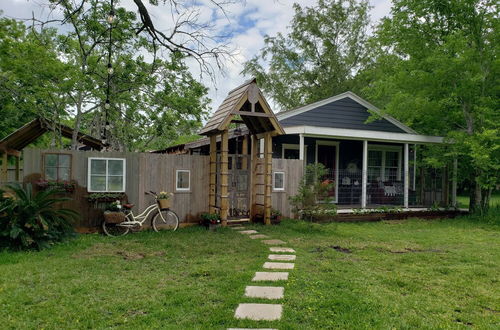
463,201
399,274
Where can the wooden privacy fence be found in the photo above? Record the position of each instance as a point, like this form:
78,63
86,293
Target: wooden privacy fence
156,172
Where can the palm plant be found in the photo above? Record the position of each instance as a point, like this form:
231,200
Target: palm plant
33,220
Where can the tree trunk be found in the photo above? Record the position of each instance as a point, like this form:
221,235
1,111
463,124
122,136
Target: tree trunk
78,119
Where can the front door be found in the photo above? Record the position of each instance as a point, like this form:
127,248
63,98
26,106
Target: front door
327,155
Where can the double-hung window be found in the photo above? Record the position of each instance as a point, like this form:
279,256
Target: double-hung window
384,163
106,175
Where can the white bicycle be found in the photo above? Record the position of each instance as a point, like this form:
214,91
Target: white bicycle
162,219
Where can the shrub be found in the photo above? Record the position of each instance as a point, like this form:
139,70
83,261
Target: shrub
32,221
312,198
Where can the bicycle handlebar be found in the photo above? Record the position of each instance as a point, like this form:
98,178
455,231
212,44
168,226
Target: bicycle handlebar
150,193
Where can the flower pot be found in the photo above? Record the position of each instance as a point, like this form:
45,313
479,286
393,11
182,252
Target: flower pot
213,226
114,217
164,203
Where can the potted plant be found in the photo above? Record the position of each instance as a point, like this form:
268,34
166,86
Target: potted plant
163,200
113,213
275,216
210,220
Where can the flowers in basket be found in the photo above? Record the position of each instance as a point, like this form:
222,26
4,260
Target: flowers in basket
163,199
116,206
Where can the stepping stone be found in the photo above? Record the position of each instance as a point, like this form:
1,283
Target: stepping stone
237,228
270,276
248,232
258,312
259,236
281,249
273,242
282,257
279,265
266,292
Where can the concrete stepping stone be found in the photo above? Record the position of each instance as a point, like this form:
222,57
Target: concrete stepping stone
281,249
248,232
279,265
259,236
259,312
265,292
282,257
270,276
273,242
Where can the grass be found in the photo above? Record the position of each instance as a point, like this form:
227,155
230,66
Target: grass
463,200
398,274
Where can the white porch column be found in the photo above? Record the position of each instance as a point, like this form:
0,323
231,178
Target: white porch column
301,146
454,183
406,176
364,174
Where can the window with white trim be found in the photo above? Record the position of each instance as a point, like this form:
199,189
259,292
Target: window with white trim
279,181
106,175
182,180
384,163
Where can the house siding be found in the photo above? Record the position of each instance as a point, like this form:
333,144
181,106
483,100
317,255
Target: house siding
344,113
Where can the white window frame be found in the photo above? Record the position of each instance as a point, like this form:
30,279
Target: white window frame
384,148
89,174
292,146
177,180
274,180
337,153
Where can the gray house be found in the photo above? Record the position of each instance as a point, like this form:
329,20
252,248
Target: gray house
370,163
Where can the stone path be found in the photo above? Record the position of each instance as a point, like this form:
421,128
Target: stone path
266,312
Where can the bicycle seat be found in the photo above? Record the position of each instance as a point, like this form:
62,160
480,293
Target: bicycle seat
128,206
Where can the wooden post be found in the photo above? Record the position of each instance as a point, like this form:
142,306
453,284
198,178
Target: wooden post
3,177
18,169
406,175
253,175
213,173
301,147
244,152
268,164
224,198
446,187
364,175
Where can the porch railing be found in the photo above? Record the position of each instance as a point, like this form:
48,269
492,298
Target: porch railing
424,191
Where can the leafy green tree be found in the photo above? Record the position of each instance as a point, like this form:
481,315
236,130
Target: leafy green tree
318,58
436,68
31,76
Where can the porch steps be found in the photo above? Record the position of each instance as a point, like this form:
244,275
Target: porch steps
235,222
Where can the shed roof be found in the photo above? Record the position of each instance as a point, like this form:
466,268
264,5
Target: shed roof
248,102
25,135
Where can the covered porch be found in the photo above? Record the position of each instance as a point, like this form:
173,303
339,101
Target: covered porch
371,170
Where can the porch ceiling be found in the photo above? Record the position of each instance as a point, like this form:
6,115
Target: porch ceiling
352,134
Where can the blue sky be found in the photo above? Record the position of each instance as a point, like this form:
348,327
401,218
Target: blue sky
247,23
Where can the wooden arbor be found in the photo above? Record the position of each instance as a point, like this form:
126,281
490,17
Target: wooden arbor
243,105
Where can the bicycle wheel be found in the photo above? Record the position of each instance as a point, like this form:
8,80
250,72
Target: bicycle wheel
113,229
165,220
